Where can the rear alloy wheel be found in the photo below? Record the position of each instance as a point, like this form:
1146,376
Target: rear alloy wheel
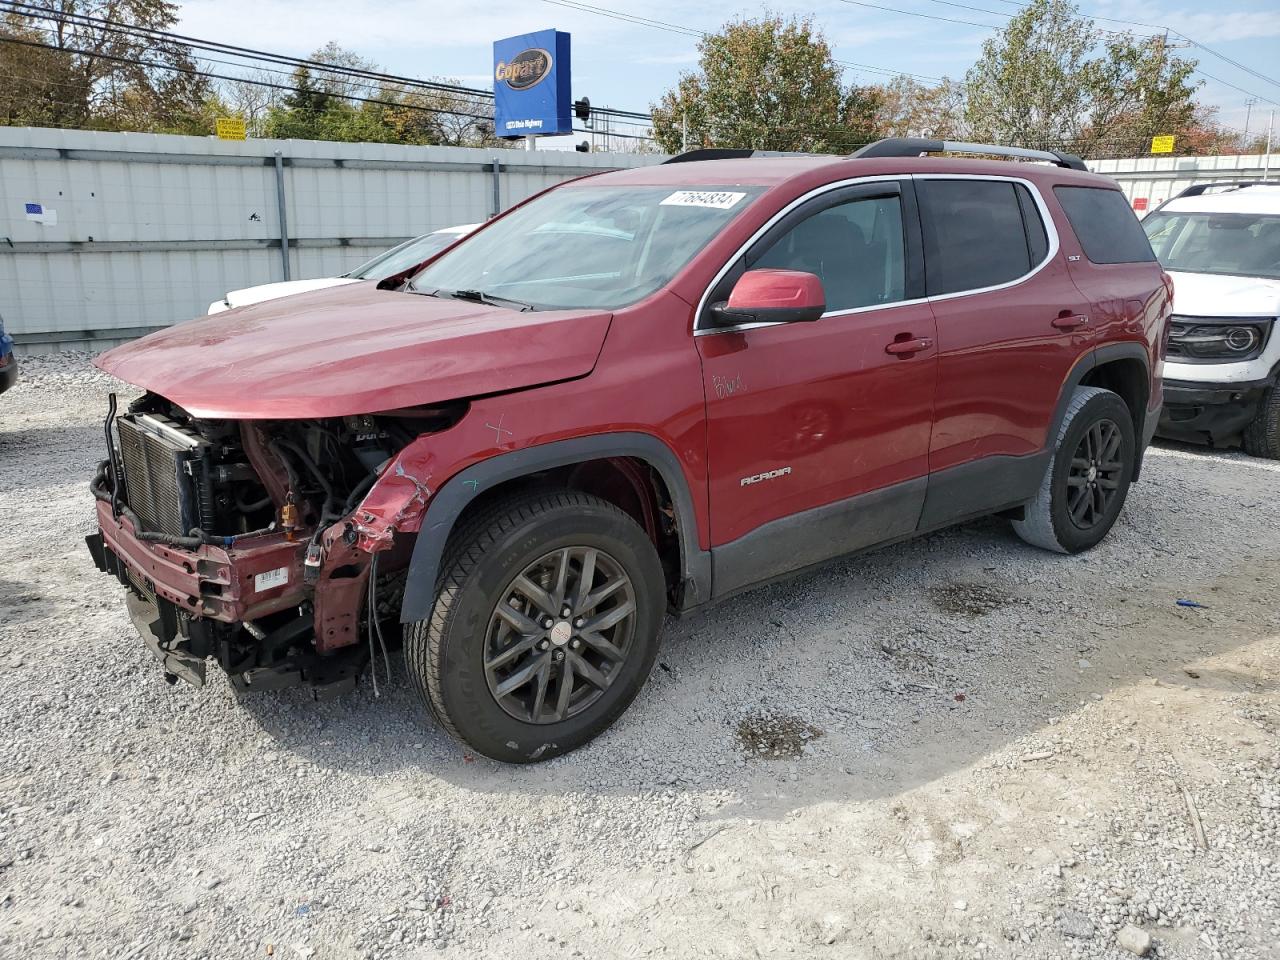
545,625
1088,478
1093,476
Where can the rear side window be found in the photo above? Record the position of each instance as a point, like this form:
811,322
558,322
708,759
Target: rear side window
974,234
1105,225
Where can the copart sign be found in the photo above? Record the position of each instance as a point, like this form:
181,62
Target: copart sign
531,89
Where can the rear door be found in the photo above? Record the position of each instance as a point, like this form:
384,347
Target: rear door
1115,268
818,434
1011,324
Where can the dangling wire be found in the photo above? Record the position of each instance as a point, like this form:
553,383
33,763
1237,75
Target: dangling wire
377,623
372,604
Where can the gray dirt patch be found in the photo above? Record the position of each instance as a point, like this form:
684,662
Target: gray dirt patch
968,599
775,736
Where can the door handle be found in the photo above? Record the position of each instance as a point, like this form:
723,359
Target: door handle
905,348
1070,321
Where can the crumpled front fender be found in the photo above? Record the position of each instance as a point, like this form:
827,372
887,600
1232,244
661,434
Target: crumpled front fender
397,501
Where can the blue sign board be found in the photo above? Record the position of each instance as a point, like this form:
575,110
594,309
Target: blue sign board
531,95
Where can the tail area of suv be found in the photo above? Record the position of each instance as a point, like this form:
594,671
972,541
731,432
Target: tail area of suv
634,394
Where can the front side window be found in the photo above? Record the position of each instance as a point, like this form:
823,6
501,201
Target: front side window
855,248
589,246
975,235
1105,225
1234,244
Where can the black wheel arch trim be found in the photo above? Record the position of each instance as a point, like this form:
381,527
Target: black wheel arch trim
1144,425
463,487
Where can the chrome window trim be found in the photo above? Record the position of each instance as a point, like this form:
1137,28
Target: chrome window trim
765,228
1051,231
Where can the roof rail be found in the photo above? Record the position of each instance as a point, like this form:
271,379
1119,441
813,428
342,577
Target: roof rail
1198,189
917,146
730,153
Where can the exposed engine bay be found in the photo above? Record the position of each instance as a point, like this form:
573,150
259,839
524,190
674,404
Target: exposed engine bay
241,541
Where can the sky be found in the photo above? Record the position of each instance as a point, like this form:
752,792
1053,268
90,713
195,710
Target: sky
628,66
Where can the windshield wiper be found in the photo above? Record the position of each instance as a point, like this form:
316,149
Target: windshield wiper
479,296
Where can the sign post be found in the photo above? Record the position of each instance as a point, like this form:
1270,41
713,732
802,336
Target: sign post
531,90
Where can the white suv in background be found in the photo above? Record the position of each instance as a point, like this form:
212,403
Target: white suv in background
1221,244
400,257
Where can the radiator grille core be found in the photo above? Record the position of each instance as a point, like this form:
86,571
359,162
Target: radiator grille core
157,485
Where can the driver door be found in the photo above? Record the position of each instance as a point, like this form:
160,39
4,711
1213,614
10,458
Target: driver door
818,433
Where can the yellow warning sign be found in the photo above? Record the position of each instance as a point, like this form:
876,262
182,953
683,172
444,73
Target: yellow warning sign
232,128
1162,144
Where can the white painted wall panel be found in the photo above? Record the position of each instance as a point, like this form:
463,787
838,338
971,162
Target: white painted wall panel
1158,178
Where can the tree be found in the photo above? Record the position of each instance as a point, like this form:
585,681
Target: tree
66,72
326,105
908,108
769,84
1052,79
252,99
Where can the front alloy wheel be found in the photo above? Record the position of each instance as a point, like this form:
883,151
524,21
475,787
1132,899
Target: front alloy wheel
545,625
560,635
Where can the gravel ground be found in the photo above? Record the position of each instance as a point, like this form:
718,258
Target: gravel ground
956,747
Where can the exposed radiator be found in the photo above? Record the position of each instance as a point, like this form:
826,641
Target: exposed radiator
162,469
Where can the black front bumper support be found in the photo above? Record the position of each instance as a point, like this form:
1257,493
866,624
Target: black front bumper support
1212,412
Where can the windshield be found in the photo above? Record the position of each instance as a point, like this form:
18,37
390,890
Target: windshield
588,246
1236,244
402,257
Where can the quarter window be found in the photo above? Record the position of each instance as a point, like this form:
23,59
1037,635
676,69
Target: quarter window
1105,225
1037,238
975,235
855,248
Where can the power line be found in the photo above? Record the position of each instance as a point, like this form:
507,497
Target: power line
191,71
36,11
1134,23
702,34
915,13
133,61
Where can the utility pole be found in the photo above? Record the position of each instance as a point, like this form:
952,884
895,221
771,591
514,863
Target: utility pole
1266,163
1248,112
684,132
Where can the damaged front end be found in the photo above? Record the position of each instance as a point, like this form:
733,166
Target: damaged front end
276,548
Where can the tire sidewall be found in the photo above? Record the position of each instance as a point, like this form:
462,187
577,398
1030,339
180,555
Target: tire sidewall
1262,436
1104,405
467,700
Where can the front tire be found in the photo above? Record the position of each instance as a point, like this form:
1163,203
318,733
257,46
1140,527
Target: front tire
1088,478
545,626
1262,435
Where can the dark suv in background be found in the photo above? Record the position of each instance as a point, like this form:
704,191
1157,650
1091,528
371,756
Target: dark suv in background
8,361
638,392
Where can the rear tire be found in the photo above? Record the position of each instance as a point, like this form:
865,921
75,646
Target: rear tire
500,664
1262,435
1088,478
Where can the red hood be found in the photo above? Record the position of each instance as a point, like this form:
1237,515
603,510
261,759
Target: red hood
355,349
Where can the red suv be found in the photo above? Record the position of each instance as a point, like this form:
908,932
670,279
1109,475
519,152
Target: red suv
638,392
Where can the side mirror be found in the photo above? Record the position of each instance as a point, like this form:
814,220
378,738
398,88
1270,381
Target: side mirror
772,296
